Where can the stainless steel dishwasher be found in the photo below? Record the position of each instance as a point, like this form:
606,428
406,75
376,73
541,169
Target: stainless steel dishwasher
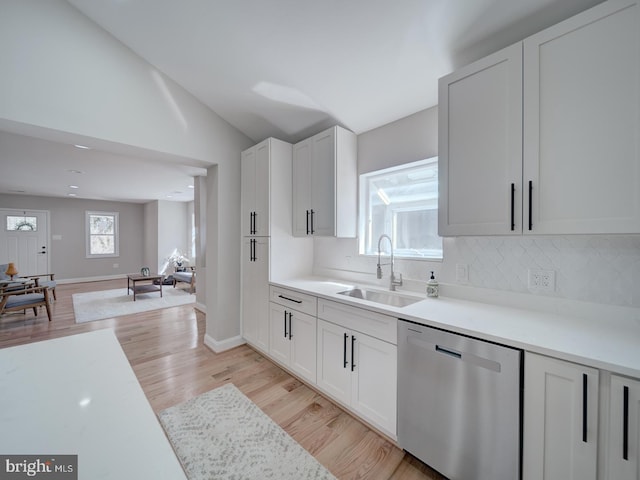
459,403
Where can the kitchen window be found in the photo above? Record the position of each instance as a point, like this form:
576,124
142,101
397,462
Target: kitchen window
102,234
403,203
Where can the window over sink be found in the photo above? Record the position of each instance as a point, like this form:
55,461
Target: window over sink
401,202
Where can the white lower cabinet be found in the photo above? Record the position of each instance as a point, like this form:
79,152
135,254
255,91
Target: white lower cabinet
624,429
356,368
255,291
560,420
293,340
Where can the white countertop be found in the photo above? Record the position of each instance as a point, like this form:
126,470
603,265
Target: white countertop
600,343
79,395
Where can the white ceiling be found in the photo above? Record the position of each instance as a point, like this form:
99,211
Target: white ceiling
290,68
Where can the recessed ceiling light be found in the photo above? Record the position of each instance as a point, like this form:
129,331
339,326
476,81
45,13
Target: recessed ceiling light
190,186
83,147
169,196
73,186
74,171
72,194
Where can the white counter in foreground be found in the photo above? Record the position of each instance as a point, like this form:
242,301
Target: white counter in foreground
79,395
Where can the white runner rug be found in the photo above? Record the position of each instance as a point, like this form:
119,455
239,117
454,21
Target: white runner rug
222,434
115,303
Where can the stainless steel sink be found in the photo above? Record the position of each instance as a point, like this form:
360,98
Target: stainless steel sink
377,296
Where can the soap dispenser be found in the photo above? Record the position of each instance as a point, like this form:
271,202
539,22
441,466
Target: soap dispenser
432,287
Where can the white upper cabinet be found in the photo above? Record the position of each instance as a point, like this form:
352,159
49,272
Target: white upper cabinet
255,182
569,161
480,147
582,123
325,184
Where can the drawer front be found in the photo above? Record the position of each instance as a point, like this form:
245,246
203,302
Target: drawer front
371,323
294,300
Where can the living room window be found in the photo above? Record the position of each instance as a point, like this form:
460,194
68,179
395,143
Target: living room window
102,234
401,202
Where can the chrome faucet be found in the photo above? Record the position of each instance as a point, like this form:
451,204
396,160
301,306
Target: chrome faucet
393,282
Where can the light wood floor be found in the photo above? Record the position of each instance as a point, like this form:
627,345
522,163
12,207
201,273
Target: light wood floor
166,351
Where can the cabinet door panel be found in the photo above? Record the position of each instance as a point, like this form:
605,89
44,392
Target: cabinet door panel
279,343
301,187
554,420
248,189
480,142
582,123
624,440
323,192
333,375
303,345
255,292
262,200
374,381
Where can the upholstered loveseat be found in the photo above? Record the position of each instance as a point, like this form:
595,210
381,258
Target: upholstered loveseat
186,275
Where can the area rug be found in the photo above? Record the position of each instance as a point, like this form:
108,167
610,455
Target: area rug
222,434
115,303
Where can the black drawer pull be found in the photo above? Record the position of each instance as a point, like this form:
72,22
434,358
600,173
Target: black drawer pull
344,351
353,362
530,205
289,299
313,230
285,324
513,212
584,407
625,424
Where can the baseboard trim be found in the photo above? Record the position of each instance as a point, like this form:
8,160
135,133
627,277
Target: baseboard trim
90,279
201,307
221,346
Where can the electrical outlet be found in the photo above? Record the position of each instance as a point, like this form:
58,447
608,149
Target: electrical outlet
542,280
462,273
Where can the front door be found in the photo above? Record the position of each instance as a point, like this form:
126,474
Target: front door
24,240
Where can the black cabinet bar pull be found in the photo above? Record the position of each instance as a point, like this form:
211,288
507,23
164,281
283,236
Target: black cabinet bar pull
344,353
312,229
251,223
353,362
625,423
285,324
290,299
307,222
255,257
290,329
530,205
255,229
513,213
584,407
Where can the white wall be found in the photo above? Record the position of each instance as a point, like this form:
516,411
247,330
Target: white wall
604,269
150,234
67,222
67,77
173,229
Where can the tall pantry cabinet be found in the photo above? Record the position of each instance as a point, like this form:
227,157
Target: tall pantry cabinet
269,251
543,137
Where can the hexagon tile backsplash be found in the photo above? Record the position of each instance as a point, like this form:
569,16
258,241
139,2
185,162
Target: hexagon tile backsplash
594,268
